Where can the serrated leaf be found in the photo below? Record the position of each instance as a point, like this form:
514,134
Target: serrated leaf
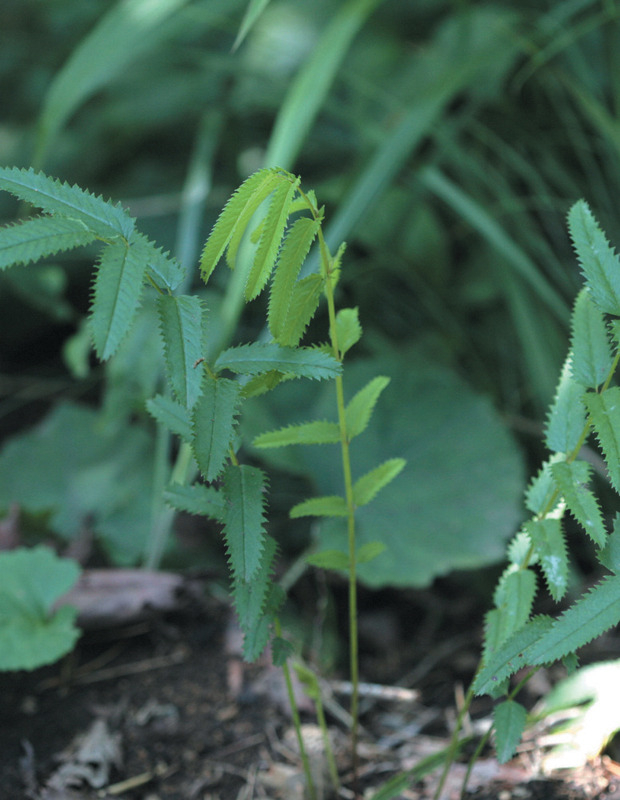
509,720
369,551
281,650
261,384
196,499
213,424
610,555
605,417
599,262
31,635
511,656
519,549
54,197
370,484
567,417
181,329
234,217
329,559
305,299
294,251
171,414
548,538
348,329
359,409
572,479
317,432
588,618
244,490
259,357
44,236
163,269
591,354
268,248
118,287
327,506
514,597
542,489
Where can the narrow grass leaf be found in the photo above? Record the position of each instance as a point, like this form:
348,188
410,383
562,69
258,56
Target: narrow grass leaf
252,13
244,489
37,238
271,238
605,416
572,480
567,416
317,432
599,262
259,357
171,414
196,499
116,296
180,321
235,216
294,251
547,537
511,656
509,720
585,620
213,424
54,197
592,356
327,506
370,484
359,409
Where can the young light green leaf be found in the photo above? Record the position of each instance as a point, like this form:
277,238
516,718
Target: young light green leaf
328,506
181,329
235,217
171,414
348,329
54,197
511,656
44,236
305,298
548,538
369,551
258,357
605,416
317,432
118,286
360,407
244,490
588,618
513,598
213,424
599,262
571,479
592,356
329,559
509,720
567,416
519,550
294,250
196,499
370,484
271,238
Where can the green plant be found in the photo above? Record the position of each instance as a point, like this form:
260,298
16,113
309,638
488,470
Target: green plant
206,396
586,405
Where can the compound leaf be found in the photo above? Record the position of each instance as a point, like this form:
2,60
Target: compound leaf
370,484
213,424
118,286
54,197
317,432
181,329
592,356
44,236
604,411
245,493
599,262
259,357
360,407
572,479
271,237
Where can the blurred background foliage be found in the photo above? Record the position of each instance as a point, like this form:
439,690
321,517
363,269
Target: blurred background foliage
447,141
